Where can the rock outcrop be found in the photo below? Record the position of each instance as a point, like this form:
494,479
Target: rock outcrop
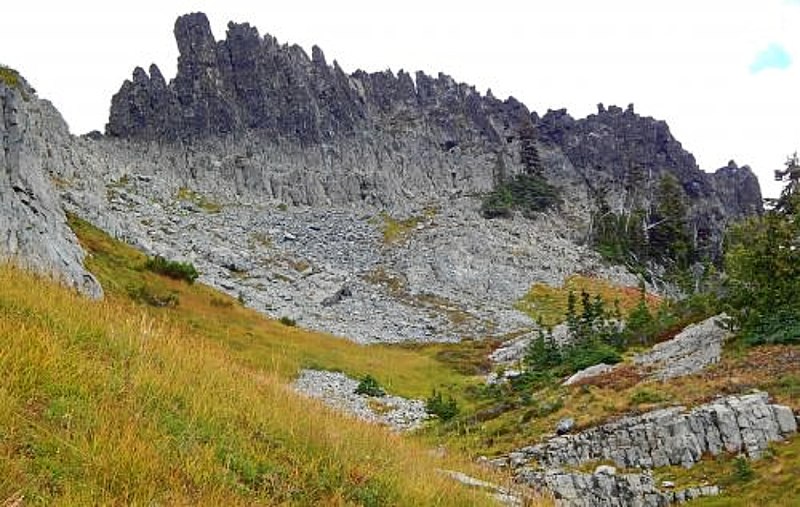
738,189
692,350
33,230
339,391
671,436
608,489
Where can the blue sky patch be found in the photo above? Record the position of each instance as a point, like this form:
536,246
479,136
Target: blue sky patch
774,57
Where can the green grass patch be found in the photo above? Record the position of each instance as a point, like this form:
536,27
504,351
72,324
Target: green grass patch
10,77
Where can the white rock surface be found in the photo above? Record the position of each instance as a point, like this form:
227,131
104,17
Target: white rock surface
692,350
339,391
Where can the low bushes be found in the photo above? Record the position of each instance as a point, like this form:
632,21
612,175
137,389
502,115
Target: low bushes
173,269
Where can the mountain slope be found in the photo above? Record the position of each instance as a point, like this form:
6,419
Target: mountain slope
106,403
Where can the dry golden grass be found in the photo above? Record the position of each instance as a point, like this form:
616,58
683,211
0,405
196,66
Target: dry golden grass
261,342
104,403
550,303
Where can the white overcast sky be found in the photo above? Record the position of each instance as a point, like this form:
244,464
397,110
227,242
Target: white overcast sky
725,74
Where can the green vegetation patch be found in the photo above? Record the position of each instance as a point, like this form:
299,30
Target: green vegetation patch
176,270
10,77
528,193
201,201
548,305
397,230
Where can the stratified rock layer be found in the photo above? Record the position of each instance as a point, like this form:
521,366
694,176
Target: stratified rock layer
572,489
671,436
33,228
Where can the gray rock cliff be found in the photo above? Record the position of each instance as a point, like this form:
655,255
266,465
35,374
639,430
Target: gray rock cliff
33,228
622,156
262,118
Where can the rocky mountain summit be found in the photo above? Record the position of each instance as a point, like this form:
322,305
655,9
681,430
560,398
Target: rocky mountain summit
241,106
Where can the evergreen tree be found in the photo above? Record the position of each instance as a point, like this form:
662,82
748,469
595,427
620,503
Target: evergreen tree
791,175
528,152
762,261
668,231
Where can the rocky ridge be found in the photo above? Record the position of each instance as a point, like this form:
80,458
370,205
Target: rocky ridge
247,112
33,228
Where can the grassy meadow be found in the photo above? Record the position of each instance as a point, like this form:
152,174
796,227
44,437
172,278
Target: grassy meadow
121,403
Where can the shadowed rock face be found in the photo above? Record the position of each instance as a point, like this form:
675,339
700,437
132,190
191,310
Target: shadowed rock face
33,228
623,156
249,82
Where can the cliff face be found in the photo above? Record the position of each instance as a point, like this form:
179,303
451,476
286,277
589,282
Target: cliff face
33,229
250,116
622,157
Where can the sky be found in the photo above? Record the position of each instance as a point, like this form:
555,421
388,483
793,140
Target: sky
725,74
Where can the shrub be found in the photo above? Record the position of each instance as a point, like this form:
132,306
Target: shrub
644,396
288,321
173,269
443,408
144,294
529,193
742,471
369,386
9,76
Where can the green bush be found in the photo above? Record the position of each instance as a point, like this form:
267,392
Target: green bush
584,355
369,386
146,295
742,471
287,321
443,408
645,396
779,328
173,269
529,193
9,76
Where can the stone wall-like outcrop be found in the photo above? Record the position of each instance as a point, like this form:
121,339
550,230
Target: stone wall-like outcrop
603,488
33,228
672,436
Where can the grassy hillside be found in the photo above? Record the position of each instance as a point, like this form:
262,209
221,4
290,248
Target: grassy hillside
257,341
115,402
